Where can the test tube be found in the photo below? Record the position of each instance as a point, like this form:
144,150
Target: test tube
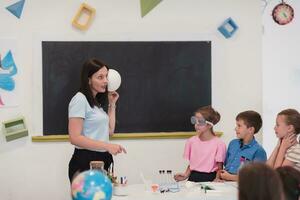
169,178
164,178
160,178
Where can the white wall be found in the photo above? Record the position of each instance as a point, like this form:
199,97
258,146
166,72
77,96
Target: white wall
39,171
281,69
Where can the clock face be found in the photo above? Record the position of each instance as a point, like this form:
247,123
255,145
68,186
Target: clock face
283,14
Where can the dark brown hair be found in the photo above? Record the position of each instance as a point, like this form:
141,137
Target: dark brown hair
260,182
290,178
209,114
251,119
292,117
90,67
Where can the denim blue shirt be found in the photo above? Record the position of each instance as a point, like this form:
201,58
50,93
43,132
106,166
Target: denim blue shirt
238,153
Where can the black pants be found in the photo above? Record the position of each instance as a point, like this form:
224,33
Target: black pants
81,159
202,176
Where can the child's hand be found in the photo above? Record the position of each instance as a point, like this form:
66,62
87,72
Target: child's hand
218,180
288,141
278,143
180,177
224,175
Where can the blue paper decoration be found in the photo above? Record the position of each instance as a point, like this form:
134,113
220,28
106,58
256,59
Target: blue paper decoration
16,8
228,28
6,80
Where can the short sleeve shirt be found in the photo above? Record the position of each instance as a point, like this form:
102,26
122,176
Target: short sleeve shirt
203,156
237,154
293,154
95,120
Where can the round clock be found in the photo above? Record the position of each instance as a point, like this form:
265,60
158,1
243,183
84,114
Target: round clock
283,13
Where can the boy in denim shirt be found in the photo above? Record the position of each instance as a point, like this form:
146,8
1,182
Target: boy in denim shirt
245,148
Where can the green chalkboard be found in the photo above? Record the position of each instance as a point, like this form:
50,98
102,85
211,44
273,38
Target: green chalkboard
163,82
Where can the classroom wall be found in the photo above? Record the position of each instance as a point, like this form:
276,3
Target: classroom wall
281,69
39,170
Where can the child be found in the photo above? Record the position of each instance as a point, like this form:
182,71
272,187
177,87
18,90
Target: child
245,148
290,178
204,151
287,151
260,182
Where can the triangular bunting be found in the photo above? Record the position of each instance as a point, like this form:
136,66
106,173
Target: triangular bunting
9,63
16,8
148,5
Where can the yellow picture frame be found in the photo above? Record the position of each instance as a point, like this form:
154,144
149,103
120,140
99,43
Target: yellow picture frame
84,9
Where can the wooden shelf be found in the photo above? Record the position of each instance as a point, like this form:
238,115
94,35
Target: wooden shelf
124,136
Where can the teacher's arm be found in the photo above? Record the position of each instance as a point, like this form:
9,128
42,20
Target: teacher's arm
112,99
75,129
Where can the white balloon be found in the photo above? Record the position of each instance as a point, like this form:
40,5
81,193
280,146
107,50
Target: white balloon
114,80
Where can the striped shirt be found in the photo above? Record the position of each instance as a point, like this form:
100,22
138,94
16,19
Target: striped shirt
293,155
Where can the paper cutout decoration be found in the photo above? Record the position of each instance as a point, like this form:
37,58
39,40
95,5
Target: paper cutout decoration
6,80
148,5
16,8
14,129
228,28
83,17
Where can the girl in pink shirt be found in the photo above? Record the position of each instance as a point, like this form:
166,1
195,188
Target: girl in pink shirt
204,151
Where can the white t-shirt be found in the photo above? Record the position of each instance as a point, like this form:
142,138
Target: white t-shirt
95,120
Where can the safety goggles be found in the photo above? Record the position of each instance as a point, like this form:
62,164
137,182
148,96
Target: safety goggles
200,122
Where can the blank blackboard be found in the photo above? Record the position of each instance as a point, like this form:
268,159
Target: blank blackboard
163,82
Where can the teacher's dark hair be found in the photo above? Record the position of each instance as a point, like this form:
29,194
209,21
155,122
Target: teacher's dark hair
90,67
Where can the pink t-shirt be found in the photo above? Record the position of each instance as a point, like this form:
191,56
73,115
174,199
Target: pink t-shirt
204,155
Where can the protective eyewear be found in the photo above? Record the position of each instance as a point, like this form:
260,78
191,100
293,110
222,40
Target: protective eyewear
200,122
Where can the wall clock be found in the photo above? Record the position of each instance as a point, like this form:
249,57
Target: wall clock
283,13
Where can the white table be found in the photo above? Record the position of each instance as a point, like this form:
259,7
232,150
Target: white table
222,191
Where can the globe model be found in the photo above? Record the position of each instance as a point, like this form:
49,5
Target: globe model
91,185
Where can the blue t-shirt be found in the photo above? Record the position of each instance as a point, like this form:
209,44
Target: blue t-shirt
238,153
95,120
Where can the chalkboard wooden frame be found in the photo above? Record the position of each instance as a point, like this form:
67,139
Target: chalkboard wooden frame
177,135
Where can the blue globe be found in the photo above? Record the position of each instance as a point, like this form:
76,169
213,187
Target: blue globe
91,185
